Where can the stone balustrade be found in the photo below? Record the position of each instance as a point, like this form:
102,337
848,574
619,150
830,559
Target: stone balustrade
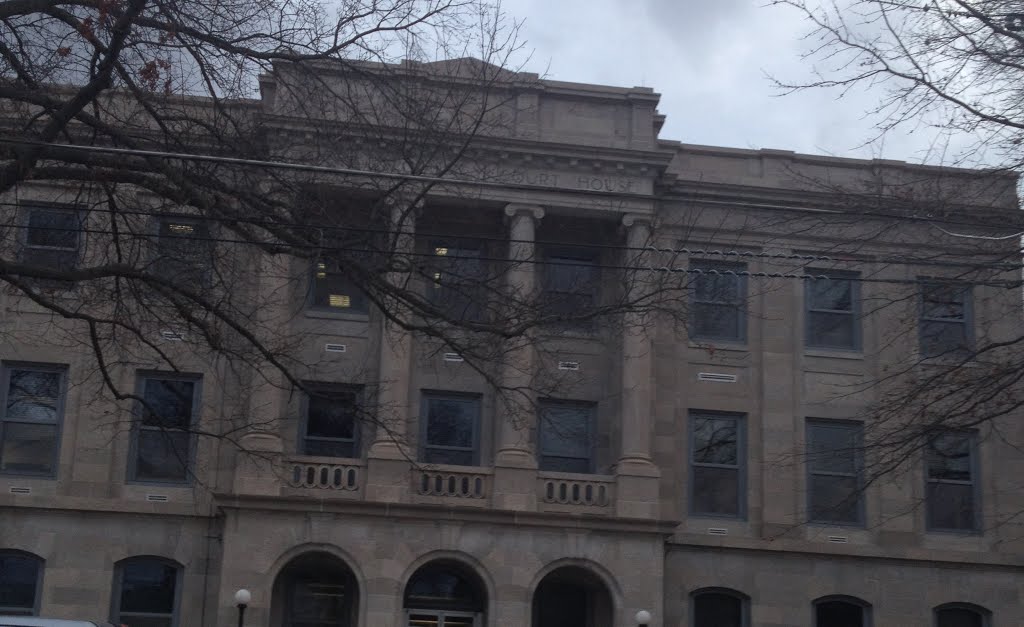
559,488
341,475
447,482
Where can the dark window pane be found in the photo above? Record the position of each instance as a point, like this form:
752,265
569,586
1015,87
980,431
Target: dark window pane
147,586
169,403
949,457
184,252
835,294
834,448
162,455
569,290
329,448
447,456
715,491
457,282
835,499
944,302
333,289
33,396
838,614
715,440
437,586
561,605
830,330
716,322
316,604
565,431
958,617
28,448
53,228
331,415
717,610
451,422
565,464
19,576
130,620
720,287
951,506
939,338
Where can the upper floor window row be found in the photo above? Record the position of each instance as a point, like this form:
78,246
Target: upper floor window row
54,238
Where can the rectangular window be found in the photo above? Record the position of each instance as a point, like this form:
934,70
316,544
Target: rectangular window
952,487
457,279
33,412
718,301
52,237
945,319
833,305
717,464
184,251
162,449
569,284
449,430
334,289
331,424
834,463
566,437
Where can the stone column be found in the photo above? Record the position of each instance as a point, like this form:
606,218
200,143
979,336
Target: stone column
388,457
637,475
515,476
258,469
515,412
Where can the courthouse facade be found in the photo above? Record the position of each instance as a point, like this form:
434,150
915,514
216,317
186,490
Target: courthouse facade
681,488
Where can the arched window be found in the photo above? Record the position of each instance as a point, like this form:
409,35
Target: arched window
961,615
444,594
21,576
146,592
572,596
315,589
719,607
841,611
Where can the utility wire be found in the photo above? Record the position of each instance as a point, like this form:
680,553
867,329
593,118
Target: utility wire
727,255
369,254
184,156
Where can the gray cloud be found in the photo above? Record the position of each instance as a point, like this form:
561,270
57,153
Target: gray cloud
708,59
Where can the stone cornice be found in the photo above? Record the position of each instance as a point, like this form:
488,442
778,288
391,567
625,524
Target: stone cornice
427,512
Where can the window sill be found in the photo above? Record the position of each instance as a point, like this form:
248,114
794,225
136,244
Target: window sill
326,314
453,468
956,533
835,353
14,474
575,476
732,517
302,458
723,346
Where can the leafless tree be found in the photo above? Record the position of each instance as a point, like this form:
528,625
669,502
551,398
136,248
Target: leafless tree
952,69
161,215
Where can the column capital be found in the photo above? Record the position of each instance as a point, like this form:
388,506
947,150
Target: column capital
514,209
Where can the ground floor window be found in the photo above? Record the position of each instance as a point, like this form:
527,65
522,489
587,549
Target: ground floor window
20,577
315,590
444,594
572,596
146,592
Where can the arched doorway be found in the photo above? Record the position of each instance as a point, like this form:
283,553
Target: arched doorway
315,590
572,596
444,593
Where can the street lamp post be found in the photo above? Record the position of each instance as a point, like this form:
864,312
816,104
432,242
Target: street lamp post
642,618
242,598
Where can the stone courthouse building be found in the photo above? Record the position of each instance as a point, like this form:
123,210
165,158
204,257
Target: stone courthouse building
681,489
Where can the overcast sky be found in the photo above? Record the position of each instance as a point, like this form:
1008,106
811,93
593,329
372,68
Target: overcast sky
708,60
